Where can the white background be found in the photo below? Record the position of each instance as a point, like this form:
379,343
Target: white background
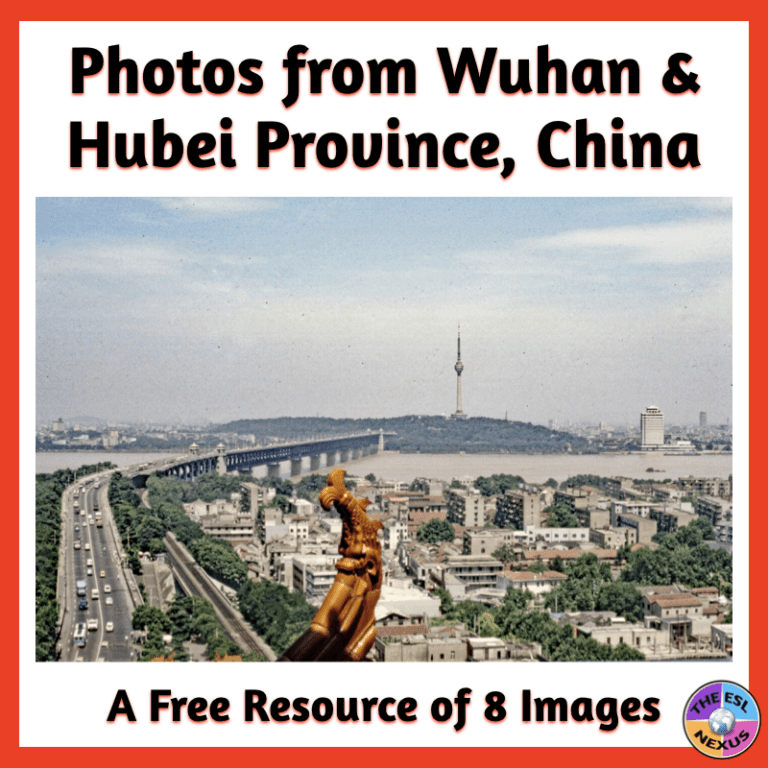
82,694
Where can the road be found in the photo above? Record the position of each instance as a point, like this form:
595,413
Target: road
113,602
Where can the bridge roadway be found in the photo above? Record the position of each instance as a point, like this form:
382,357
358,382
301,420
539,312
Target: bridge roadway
334,449
194,581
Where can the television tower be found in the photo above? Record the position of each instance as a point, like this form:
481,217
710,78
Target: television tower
459,367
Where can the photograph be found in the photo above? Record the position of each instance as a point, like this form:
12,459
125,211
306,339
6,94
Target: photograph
385,429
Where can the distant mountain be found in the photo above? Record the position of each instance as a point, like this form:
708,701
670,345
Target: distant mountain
427,434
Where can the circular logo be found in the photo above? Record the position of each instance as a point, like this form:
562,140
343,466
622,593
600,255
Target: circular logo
721,719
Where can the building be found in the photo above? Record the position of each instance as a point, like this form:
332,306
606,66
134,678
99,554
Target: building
647,640
651,429
709,486
670,519
459,367
518,508
681,615
702,419
536,583
474,571
466,508
643,527
612,538
314,574
719,511
395,531
496,649
418,642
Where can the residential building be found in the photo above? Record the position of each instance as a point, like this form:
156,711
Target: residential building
466,508
518,508
536,583
474,571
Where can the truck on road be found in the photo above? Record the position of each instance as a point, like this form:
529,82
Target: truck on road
81,586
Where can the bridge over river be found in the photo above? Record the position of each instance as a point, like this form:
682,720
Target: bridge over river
306,455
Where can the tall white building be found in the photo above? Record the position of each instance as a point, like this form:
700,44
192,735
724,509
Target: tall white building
651,429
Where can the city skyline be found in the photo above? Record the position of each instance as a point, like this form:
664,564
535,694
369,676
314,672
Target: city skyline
225,308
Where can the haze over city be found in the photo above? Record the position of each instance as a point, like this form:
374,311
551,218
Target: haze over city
225,308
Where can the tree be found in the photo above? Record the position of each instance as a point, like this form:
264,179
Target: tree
434,531
496,485
622,598
446,600
276,614
505,553
552,483
280,501
309,486
283,487
487,627
150,617
560,516
370,477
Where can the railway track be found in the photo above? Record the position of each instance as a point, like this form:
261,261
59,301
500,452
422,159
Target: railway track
195,581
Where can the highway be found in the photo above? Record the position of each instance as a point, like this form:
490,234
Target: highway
100,546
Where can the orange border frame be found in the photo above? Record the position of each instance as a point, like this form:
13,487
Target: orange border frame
426,10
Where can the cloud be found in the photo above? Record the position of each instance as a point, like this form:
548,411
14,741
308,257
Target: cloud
217,207
685,242
670,243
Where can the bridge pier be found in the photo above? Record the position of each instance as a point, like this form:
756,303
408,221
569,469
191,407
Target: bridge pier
273,470
314,463
221,465
330,458
357,453
343,456
295,467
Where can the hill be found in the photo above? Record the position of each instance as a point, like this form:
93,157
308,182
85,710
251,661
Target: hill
426,434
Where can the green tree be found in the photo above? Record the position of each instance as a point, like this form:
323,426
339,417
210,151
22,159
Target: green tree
150,617
370,477
560,516
446,600
487,627
622,598
505,553
434,531
277,615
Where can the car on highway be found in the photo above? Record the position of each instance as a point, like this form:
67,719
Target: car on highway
87,546
108,601
83,606
93,625
77,528
77,543
79,637
89,562
103,574
107,588
89,572
109,626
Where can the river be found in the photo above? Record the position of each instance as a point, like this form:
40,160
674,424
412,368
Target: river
446,466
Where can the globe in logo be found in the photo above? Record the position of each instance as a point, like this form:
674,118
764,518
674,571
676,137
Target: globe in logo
722,721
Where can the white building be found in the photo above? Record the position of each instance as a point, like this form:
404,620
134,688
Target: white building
651,429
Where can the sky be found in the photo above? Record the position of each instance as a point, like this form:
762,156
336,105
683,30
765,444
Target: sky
211,309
